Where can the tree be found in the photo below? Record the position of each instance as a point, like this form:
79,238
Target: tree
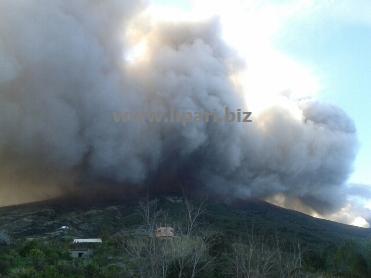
185,255
349,261
261,257
150,214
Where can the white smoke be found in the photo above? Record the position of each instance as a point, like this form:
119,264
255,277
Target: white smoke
63,74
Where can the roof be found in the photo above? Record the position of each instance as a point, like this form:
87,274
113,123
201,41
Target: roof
165,229
87,240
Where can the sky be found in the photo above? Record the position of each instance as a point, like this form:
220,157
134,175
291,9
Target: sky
311,48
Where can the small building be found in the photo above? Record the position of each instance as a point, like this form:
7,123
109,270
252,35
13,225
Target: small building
81,253
164,232
83,248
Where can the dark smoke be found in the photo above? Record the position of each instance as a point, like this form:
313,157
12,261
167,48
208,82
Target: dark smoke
63,74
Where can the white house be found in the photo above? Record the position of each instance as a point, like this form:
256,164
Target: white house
87,240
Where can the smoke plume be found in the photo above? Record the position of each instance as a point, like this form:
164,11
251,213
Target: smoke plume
64,71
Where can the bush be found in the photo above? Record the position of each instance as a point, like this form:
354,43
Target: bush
348,261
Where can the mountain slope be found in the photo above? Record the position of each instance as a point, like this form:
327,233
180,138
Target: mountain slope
94,218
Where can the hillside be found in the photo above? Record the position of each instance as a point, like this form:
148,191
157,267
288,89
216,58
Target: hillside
247,238
92,218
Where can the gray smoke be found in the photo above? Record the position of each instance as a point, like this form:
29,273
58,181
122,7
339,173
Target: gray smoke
63,75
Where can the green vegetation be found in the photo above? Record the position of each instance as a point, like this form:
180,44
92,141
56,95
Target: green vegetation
212,240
